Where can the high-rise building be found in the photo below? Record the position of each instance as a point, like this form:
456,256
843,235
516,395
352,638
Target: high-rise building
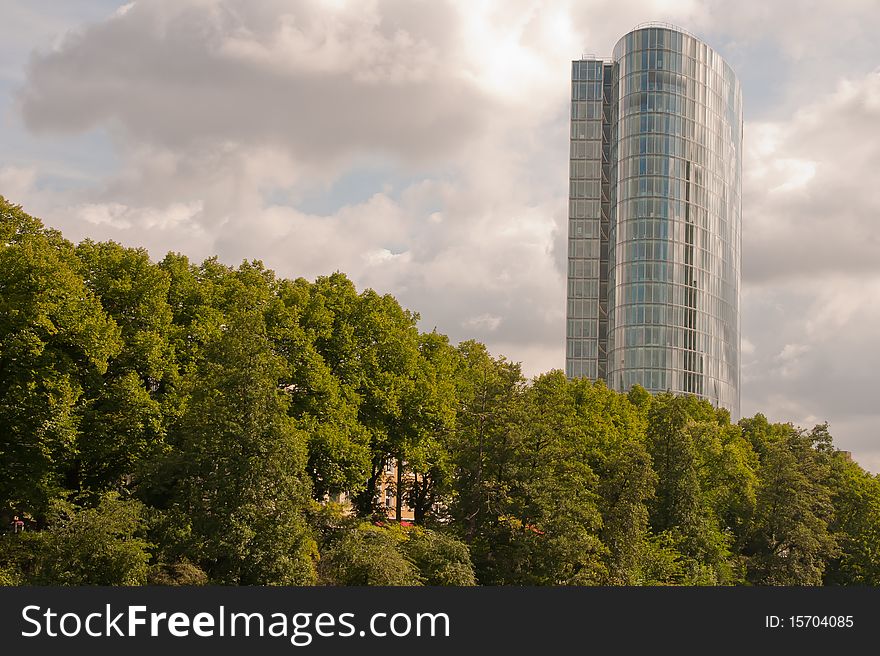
655,216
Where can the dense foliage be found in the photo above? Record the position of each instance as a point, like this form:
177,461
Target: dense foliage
178,424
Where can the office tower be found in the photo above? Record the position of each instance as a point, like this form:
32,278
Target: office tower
654,241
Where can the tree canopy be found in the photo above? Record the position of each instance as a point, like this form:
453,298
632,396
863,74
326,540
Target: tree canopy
178,423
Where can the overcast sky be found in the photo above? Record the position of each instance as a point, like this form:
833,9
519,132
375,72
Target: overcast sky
421,148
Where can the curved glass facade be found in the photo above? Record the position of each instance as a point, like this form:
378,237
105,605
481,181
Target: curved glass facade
672,131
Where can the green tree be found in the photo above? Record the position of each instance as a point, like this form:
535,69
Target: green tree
101,545
372,348
53,335
705,485
490,406
613,429
323,406
553,498
441,559
856,524
789,541
433,406
528,504
124,418
239,462
368,555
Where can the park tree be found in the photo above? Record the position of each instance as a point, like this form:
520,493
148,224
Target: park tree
856,524
532,516
322,405
390,554
54,335
194,301
101,544
123,421
133,291
372,348
553,499
440,559
789,541
613,431
426,481
237,470
489,409
233,404
697,483
368,554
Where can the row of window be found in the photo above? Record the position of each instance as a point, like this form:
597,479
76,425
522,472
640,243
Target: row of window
671,273
627,234
588,129
714,218
581,369
686,363
592,91
675,360
679,126
583,288
672,188
628,229
659,38
582,328
581,268
690,264
717,176
589,69
718,301
693,200
587,111
699,320
664,101
585,169
697,316
631,47
580,308
585,189
720,391
584,228
655,380
717,346
584,248
638,250
682,86
584,209
718,157
582,348
675,294
710,188
662,358
673,168
586,149
663,165
638,63
648,127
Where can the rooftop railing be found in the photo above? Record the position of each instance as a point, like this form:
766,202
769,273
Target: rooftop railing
665,26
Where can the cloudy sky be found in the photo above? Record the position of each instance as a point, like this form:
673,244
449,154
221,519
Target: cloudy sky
421,147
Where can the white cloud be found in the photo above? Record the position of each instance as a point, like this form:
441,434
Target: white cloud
809,206
16,183
122,217
484,322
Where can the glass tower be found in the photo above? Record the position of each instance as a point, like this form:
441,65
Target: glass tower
654,241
